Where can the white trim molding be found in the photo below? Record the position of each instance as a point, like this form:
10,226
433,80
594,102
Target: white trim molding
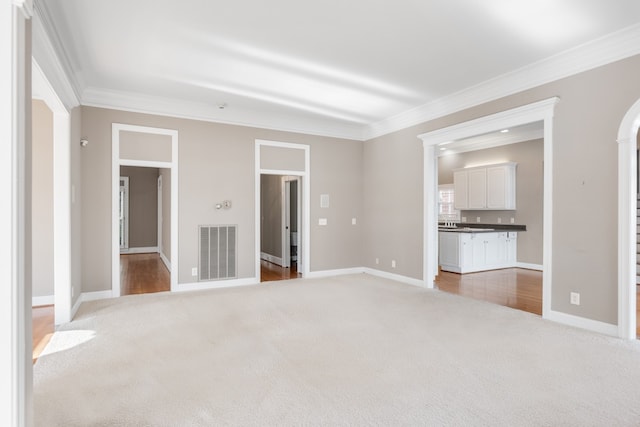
583,323
305,255
395,277
270,258
166,261
42,300
140,250
116,162
537,111
627,205
215,284
529,266
333,273
610,48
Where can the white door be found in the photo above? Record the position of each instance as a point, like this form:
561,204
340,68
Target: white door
286,229
124,212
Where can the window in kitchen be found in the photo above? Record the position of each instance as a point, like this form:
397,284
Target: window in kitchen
446,210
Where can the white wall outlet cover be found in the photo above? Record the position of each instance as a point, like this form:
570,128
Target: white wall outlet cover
499,220
194,271
353,221
393,263
477,219
513,220
322,221
377,260
464,219
575,298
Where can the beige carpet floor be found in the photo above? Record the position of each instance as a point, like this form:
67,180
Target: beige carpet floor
352,350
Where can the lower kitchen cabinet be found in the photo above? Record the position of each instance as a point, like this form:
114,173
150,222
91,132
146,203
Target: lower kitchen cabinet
470,252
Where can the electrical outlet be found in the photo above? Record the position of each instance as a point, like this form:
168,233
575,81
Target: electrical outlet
194,271
513,220
353,221
464,219
575,298
322,221
499,220
377,261
393,263
477,219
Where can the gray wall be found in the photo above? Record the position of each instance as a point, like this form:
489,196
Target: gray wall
216,163
271,215
529,191
143,206
42,199
585,169
166,212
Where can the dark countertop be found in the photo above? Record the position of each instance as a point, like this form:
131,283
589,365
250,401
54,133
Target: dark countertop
465,227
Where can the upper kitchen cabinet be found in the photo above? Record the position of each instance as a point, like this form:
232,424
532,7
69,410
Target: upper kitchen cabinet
491,187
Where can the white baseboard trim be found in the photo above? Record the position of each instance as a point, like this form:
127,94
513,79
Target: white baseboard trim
147,250
216,284
330,273
166,262
396,277
529,266
583,323
44,300
89,296
273,259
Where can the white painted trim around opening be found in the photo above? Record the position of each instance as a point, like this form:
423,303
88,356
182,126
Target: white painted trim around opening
306,201
270,258
528,266
166,262
537,111
141,250
627,238
116,162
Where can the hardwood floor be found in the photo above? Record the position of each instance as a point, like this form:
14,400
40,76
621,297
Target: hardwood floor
43,328
143,274
271,272
513,287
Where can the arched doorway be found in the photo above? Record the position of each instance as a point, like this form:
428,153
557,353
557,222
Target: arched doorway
627,205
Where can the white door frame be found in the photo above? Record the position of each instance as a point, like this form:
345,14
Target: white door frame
160,219
304,254
62,201
126,213
116,162
538,111
627,239
286,222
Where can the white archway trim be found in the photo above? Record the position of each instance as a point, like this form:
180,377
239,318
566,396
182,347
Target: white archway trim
537,111
306,200
62,281
627,193
116,162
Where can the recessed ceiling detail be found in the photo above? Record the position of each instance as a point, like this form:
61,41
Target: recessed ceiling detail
356,70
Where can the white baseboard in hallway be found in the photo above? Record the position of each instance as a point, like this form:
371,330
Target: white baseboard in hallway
43,300
145,250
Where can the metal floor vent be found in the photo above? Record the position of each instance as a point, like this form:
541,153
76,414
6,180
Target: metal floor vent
218,251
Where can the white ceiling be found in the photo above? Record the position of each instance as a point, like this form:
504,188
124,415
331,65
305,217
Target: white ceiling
345,68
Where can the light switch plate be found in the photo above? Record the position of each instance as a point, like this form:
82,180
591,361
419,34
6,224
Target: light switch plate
322,221
353,221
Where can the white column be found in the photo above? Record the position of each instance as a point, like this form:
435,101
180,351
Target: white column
15,360
626,237
430,225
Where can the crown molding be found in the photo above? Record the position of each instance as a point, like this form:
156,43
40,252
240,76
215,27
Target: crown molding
610,48
49,53
147,104
26,6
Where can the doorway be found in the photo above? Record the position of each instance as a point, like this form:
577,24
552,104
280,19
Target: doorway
280,217
291,162
433,141
143,266
155,151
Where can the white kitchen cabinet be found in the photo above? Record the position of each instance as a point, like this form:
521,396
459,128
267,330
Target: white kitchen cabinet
460,189
491,187
471,252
